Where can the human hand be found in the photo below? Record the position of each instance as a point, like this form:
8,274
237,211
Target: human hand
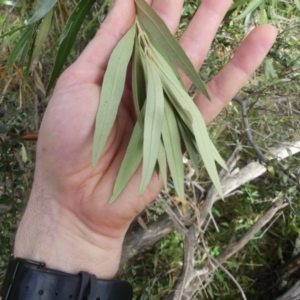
67,223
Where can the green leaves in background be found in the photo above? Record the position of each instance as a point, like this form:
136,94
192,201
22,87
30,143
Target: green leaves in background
42,10
21,47
166,114
68,37
268,10
33,38
112,91
250,8
42,33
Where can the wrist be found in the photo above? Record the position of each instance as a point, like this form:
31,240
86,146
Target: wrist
51,234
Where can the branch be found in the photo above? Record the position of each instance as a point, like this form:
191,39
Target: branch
188,265
138,239
293,293
243,104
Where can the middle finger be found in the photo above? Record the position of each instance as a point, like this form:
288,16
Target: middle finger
169,11
197,39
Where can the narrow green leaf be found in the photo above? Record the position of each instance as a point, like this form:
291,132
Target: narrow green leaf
162,162
189,141
154,116
237,4
297,2
159,32
26,58
249,9
269,69
69,35
44,7
12,3
112,91
234,7
20,46
138,82
218,157
42,33
171,139
167,69
131,161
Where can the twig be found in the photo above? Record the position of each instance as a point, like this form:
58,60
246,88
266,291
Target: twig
242,104
233,248
258,151
176,219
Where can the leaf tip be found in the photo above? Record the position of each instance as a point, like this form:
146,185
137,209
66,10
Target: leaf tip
111,200
142,190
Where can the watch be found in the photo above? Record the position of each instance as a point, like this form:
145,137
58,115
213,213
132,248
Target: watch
30,280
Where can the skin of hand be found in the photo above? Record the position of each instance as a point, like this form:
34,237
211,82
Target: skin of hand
67,223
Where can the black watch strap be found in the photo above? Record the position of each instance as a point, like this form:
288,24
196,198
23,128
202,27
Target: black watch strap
29,280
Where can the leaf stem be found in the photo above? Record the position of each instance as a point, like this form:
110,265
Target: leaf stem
144,38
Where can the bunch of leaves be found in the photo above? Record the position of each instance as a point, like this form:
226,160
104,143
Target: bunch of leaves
31,41
165,112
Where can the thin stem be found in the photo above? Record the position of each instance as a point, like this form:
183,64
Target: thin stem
143,37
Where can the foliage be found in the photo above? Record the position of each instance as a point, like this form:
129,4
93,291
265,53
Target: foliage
15,170
273,113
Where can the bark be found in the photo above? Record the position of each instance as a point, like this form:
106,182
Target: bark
293,293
